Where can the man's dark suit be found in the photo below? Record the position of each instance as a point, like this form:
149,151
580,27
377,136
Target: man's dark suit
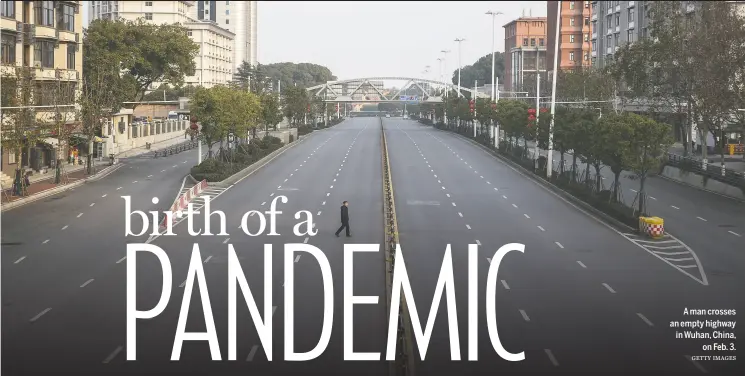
344,220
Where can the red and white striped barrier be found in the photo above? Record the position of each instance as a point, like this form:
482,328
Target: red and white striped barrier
182,202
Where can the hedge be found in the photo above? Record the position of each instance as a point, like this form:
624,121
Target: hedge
232,161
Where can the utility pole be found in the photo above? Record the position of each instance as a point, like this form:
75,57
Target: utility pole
449,79
459,40
537,116
550,156
493,53
475,96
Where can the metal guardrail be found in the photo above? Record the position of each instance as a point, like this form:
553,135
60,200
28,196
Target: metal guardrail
404,361
712,170
175,149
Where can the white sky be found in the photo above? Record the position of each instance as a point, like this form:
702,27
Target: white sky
365,39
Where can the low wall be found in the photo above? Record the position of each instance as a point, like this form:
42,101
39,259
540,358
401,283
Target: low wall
282,134
701,182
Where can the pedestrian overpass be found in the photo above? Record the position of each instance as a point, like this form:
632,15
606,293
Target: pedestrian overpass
371,90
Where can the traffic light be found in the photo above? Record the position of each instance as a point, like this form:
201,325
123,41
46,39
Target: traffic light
472,105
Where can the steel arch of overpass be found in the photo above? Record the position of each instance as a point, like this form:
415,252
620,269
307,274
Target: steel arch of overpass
331,95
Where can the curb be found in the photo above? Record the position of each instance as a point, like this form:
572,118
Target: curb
737,199
248,171
564,194
50,192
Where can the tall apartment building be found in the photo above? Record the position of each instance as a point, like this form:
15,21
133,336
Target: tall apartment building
240,17
214,63
525,51
574,34
46,38
614,23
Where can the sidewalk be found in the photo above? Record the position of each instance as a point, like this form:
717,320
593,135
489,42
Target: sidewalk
45,182
732,162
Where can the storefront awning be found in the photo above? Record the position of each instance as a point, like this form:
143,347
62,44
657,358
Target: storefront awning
51,141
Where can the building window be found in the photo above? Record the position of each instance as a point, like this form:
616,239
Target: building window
571,21
44,53
541,42
618,19
587,56
608,41
9,9
587,21
67,18
571,55
587,4
644,32
571,5
149,16
227,12
188,33
148,3
571,38
587,37
594,45
631,14
8,48
71,48
227,21
532,42
525,41
615,36
44,13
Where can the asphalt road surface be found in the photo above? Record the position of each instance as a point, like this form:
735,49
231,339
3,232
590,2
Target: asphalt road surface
582,298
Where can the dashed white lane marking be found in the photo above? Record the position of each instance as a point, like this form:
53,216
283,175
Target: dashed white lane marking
45,241
334,179
182,284
633,190
295,169
734,233
119,188
331,187
150,176
468,227
324,203
609,288
541,228
337,174
279,187
104,195
286,180
453,204
113,354
291,174
646,320
481,177
263,203
225,241
93,203
443,187
460,214
297,258
478,242
696,364
439,181
559,244
79,215
649,196
524,315
208,259
42,313
20,259
65,228
488,259
121,259
504,197
447,194
319,213
328,194
162,170
674,207
514,206
252,353
581,264
134,182
306,240
488,182
496,189
272,194
435,176
88,282
506,286
552,358
701,219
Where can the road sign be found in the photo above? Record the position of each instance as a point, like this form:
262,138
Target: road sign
408,98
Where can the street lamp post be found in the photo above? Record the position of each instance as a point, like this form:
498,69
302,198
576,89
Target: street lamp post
549,157
459,40
493,53
445,60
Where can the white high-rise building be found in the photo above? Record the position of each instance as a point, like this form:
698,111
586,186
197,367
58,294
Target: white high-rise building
240,17
215,61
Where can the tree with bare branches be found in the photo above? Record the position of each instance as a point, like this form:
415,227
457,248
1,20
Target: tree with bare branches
61,117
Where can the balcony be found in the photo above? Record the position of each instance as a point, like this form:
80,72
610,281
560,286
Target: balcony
67,36
594,17
66,74
610,10
609,50
594,54
46,32
631,4
9,24
631,24
690,8
44,73
618,29
610,31
594,36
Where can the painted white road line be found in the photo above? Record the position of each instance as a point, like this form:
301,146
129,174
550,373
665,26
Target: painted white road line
119,188
633,190
504,197
42,313
331,187
121,259
286,180
460,214
514,206
272,194
581,264
45,241
279,187
306,240
225,241
453,204
93,203
468,227
506,286
297,258
263,203
252,353
319,213
443,187
559,244
104,195
182,284
323,203
609,288
696,364
649,196
208,259
646,320
478,242
20,259
86,283
525,315
488,259
552,358
135,182
674,207
328,194
113,354
734,233
541,228
79,215
162,170
65,228
447,194
496,189
701,219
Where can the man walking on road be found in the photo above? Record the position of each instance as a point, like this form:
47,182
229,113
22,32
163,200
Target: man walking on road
344,219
